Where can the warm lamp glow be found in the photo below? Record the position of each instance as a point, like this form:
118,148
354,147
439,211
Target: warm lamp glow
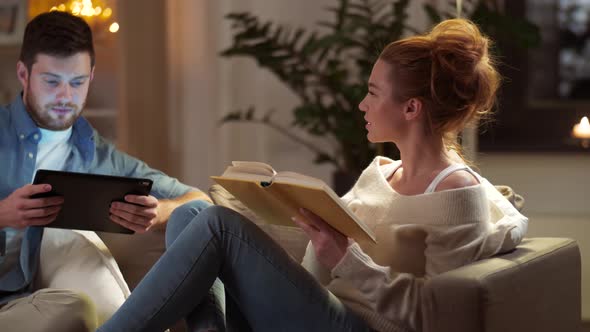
114,27
83,8
582,129
87,9
107,12
95,16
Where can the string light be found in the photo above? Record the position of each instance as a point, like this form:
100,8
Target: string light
87,10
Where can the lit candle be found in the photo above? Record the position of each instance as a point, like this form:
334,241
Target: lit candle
582,129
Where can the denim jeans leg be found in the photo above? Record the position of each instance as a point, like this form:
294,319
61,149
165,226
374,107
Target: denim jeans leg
210,313
273,292
181,218
235,320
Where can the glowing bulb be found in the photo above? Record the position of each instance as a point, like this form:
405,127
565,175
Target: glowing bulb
61,8
53,9
97,10
114,27
87,9
107,12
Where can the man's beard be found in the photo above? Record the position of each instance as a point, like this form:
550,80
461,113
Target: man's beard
41,114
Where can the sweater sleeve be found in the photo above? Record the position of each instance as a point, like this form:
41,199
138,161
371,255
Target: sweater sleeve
392,295
507,220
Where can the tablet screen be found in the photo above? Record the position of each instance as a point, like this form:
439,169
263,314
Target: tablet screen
87,198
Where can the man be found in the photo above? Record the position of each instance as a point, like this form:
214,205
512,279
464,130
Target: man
42,128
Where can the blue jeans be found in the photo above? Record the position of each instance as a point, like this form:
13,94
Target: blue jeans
265,289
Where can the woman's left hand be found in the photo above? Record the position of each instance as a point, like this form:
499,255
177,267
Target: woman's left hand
329,244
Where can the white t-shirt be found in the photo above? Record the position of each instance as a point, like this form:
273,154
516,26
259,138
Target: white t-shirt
53,149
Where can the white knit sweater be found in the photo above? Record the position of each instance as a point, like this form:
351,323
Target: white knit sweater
418,237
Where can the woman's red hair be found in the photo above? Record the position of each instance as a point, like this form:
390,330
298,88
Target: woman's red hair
450,71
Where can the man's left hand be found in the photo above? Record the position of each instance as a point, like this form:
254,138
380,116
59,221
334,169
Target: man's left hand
138,213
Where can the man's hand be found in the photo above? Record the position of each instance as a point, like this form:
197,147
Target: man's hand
19,210
329,244
138,213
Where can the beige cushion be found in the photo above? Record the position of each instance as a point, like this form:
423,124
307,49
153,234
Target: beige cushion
514,198
135,254
80,261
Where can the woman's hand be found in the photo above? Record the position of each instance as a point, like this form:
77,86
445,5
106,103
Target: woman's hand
329,244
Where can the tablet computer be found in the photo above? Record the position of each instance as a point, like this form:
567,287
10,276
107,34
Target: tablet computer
87,198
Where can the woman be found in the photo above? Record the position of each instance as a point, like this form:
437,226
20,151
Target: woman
430,211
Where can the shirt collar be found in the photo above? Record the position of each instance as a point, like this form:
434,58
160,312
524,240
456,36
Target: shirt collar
24,125
83,135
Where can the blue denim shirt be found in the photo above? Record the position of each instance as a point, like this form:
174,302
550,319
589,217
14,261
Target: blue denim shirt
19,137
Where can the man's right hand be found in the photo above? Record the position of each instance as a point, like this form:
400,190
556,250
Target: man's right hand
19,210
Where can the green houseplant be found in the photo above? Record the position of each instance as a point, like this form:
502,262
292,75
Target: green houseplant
328,72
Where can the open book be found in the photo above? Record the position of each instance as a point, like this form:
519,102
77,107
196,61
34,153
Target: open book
276,197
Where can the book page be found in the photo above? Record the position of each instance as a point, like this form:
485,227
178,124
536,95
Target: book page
292,177
264,203
253,167
323,202
258,171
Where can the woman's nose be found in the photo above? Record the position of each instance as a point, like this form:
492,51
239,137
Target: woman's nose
362,105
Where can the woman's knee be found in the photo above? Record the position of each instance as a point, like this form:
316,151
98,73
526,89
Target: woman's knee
181,217
191,217
220,218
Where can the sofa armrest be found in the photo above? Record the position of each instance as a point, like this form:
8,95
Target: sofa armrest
536,287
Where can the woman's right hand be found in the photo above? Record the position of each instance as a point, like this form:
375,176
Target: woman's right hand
19,210
329,244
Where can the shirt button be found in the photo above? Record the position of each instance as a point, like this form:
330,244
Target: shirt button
22,136
36,136
31,155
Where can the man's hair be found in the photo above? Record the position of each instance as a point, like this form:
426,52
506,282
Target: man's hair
57,34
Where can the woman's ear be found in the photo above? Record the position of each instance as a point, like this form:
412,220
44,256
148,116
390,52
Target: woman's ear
413,109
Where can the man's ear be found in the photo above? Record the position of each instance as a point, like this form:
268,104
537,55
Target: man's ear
22,72
413,109
92,73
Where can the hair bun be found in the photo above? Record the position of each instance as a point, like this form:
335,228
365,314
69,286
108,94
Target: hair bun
461,66
450,70
458,41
